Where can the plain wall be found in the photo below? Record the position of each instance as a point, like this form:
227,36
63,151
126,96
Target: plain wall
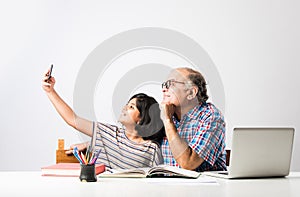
254,44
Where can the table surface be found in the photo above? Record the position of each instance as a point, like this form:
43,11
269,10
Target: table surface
22,183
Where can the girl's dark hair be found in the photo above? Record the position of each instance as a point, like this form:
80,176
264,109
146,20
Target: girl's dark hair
150,126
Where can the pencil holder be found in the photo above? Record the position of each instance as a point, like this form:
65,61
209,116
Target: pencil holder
87,173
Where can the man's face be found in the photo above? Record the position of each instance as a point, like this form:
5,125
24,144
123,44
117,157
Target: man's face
175,88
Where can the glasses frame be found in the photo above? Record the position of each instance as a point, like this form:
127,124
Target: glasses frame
169,82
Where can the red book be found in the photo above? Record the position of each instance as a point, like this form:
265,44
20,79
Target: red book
68,169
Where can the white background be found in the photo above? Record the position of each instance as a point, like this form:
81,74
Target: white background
254,44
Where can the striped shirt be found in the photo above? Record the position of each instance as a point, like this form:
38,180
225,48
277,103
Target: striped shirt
117,151
203,128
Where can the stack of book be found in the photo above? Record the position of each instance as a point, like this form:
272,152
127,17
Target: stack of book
68,169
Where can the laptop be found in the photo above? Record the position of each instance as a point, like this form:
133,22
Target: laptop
259,152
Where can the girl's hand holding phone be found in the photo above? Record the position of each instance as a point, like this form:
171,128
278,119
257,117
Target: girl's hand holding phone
48,80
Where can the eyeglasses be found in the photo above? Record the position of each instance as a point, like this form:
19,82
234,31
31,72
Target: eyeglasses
168,83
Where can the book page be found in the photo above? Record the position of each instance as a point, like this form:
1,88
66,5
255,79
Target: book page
173,171
135,172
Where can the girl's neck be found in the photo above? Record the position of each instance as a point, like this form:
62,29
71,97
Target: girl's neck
132,135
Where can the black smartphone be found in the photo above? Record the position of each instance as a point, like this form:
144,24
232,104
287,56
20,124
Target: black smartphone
49,76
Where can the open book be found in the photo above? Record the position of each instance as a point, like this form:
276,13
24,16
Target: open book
157,171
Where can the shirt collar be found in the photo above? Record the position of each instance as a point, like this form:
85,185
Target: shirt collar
191,114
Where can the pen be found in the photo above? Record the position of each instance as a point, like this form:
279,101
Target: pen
88,154
96,157
83,158
76,155
79,155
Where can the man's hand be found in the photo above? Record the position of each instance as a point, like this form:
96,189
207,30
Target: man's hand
167,111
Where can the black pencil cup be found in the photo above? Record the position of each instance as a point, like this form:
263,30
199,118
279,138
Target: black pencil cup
87,173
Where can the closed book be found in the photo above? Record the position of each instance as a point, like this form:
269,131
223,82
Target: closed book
68,169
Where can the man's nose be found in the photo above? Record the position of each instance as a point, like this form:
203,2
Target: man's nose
164,89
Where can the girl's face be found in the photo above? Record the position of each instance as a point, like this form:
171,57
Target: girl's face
130,115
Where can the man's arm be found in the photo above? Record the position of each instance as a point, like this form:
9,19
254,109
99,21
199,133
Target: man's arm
184,155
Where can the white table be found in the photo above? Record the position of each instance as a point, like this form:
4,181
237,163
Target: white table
33,184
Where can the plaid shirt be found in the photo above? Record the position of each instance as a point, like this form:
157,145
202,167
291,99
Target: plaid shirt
203,128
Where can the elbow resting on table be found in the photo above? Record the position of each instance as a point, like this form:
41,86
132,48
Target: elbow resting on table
187,167
191,160
190,165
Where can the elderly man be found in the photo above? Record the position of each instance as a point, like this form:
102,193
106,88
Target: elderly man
195,129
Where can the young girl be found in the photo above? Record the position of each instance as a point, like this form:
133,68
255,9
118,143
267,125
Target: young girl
132,147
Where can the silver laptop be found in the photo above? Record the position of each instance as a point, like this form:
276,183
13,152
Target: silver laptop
259,152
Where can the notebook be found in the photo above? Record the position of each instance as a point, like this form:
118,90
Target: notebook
259,152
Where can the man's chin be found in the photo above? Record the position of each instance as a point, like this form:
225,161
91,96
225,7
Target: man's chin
166,100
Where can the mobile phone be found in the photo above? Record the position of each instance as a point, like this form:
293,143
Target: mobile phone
49,76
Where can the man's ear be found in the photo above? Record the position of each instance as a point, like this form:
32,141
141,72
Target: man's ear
192,93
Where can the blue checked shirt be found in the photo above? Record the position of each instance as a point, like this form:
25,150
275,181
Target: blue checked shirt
203,128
